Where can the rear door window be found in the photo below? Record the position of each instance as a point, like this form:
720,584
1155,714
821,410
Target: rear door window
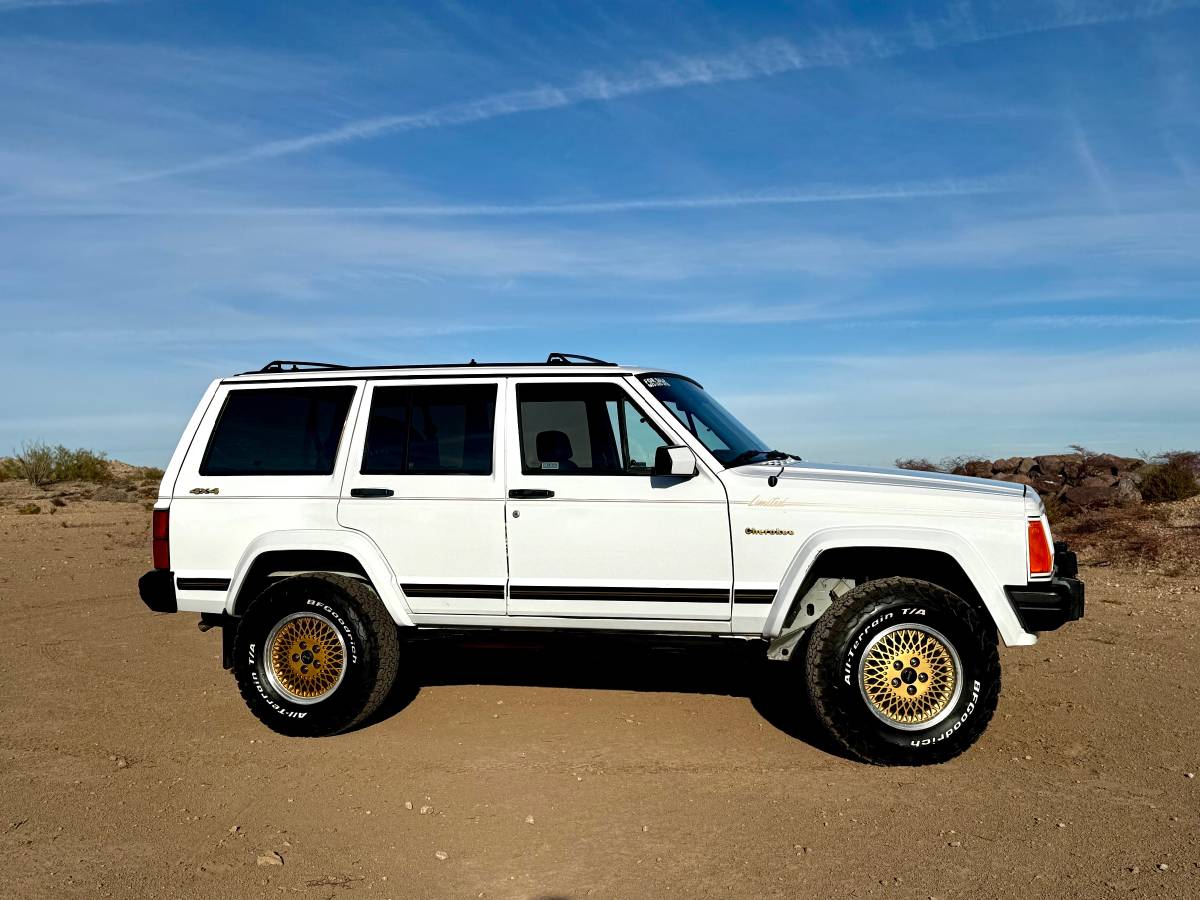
431,430
278,431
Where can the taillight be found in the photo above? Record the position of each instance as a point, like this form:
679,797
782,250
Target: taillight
161,531
1041,561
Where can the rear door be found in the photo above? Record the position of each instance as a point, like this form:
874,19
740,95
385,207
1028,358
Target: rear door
425,482
592,532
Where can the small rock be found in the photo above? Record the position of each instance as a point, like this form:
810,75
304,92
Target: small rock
529,820
408,804
426,810
645,828
1162,867
235,829
270,858
1133,870
442,854
122,762
1189,774
954,844
1062,824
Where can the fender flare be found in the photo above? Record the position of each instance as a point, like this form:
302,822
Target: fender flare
352,543
952,544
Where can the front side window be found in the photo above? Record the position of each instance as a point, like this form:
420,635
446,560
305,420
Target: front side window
725,437
431,430
584,429
278,431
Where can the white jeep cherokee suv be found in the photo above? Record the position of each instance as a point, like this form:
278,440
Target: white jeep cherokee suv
319,514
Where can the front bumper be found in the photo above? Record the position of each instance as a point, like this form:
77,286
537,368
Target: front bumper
1047,605
157,589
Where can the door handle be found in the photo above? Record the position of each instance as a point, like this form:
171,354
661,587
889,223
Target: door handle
529,494
371,492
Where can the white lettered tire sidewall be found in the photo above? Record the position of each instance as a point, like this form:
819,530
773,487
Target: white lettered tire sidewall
836,655
371,652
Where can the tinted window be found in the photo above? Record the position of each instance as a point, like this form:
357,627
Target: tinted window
584,429
437,430
278,431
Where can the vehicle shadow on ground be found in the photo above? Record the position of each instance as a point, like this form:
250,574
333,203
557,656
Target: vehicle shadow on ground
602,662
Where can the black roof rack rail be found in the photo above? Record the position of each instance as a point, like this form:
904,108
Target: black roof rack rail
576,357
297,365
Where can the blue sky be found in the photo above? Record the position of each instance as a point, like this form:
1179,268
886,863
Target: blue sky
873,230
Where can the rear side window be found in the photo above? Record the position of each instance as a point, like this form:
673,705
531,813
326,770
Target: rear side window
431,430
278,431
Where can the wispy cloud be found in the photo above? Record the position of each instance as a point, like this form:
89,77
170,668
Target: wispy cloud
959,187
13,5
758,60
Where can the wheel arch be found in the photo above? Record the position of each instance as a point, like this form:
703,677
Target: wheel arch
942,557
345,553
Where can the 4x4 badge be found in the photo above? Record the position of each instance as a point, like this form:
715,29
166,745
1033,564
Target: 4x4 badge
206,490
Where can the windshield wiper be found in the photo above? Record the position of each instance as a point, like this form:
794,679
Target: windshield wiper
749,456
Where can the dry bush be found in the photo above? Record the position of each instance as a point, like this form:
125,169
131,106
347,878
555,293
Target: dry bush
149,473
9,469
1172,479
40,464
916,465
36,462
28,509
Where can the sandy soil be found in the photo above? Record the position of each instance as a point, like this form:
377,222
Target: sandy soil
129,767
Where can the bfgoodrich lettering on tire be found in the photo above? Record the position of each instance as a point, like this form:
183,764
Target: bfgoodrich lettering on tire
315,654
903,672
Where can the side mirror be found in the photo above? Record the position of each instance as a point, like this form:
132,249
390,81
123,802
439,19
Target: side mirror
675,461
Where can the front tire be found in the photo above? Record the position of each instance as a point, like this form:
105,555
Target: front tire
903,672
315,654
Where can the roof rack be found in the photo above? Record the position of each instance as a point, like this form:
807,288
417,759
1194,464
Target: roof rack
570,358
297,365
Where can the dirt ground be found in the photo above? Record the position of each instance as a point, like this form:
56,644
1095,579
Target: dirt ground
130,768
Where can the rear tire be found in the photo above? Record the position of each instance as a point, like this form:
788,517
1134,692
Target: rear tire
315,654
879,704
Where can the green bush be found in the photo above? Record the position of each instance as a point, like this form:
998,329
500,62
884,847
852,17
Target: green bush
28,509
40,464
150,473
80,465
9,469
1170,480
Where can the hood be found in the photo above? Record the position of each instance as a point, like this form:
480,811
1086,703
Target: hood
806,471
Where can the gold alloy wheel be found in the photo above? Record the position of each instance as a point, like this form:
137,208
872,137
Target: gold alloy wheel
306,657
910,676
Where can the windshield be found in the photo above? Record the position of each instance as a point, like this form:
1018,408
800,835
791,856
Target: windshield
726,437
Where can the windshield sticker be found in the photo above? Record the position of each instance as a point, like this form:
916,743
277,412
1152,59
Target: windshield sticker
656,382
549,465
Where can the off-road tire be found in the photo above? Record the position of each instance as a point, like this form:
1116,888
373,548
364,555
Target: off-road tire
371,654
832,669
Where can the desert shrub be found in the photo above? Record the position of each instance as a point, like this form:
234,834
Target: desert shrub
36,462
28,509
916,465
1169,480
9,469
40,464
150,473
80,465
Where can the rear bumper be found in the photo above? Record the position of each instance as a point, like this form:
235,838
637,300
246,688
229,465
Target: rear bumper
157,590
1047,605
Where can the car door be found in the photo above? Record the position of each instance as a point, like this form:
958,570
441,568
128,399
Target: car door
592,532
425,482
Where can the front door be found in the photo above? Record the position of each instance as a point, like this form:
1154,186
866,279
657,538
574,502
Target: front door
592,532
425,482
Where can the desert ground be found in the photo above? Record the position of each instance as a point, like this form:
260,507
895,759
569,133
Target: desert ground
566,769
